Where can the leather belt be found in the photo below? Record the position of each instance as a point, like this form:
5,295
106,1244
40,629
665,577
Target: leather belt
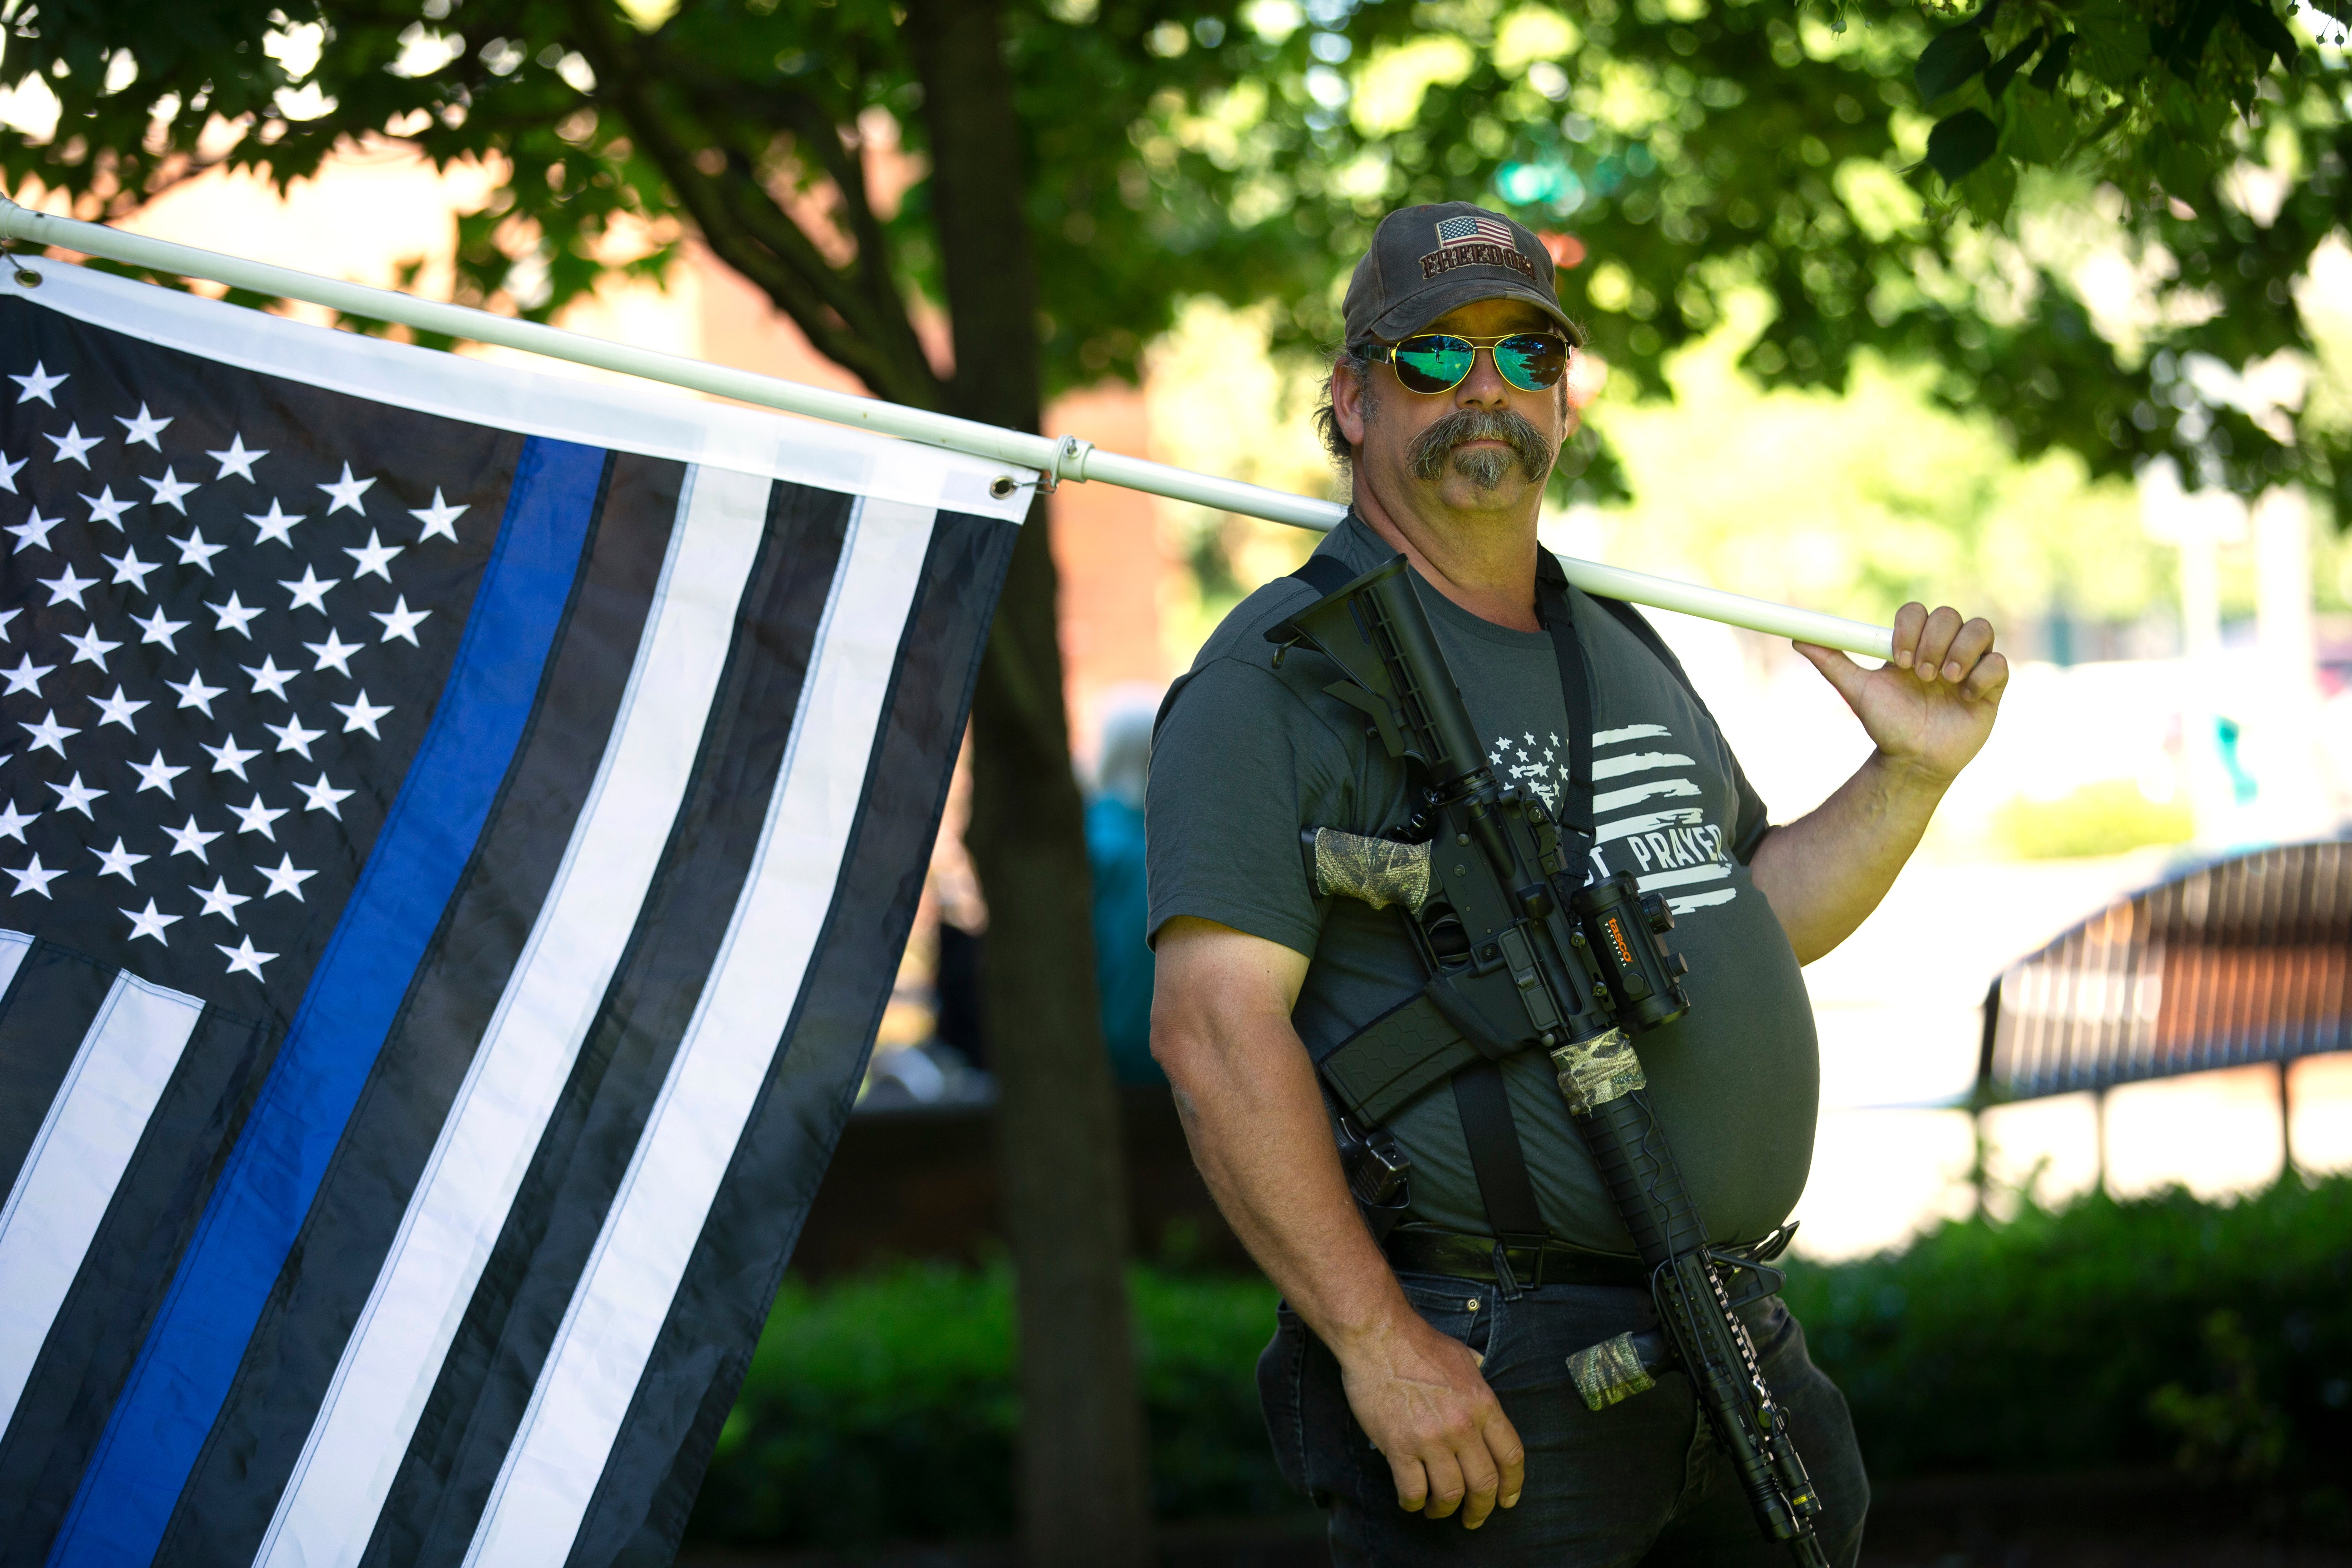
1428,1250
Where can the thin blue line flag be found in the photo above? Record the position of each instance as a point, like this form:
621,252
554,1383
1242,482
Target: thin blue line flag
458,828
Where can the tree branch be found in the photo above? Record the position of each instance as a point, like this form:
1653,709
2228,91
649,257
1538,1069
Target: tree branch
761,241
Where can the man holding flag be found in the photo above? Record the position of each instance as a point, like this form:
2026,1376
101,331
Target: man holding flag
1426,1373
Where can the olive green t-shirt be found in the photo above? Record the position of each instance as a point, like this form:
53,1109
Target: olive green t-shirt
1249,753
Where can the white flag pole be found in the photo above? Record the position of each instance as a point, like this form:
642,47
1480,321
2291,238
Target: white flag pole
1068,459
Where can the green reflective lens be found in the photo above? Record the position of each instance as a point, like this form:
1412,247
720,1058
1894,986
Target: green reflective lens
1433,363
1532,361
1439,361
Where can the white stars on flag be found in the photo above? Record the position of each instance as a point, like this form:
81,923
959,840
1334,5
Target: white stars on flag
344,493
269,678
115,582
156,773
159,627
402,622
324,796
373,558
196,694
151,921
362,714
129,568
334,652
118,861
276,523
33,534
117,710
104,508
440,518
244,959
73,446
194,551
285,878
69,588
26,677
91,648
141,430
49,735
256,817
219,900
190,839
234,616
77,797
311,592
169,489
228,757
238,459
38,386
293,737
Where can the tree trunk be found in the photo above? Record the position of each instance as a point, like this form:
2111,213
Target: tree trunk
1082,1473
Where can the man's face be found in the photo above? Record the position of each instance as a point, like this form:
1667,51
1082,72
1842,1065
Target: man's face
1484,446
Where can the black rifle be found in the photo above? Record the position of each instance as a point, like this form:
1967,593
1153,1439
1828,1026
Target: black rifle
1521,953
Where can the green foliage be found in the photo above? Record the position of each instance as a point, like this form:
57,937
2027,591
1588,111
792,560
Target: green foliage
2157,1332
2104,818
1860,502
883,1409
2161,1332
1692,149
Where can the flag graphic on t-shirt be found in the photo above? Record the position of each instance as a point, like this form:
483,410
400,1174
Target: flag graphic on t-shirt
1641,806
1648,819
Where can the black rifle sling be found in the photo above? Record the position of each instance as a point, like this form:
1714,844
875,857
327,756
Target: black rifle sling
1575,807
1505,1187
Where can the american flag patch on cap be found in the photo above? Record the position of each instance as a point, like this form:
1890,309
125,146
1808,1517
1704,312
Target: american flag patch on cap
1474,230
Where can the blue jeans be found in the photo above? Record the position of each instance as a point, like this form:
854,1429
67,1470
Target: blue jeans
1643,1482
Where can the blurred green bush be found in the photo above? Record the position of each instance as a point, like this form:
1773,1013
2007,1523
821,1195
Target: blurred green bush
2104,818
883,1409
2161,1332
2164,1331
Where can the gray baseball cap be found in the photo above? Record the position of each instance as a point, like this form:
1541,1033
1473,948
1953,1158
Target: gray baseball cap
1426,261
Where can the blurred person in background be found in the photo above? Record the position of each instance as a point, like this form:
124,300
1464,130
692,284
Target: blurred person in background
1115,858
1422,1376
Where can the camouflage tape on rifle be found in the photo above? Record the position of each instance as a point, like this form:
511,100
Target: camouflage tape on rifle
1594,1072
1378,871
1609,1373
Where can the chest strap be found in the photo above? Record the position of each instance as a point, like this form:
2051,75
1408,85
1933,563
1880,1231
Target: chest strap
1429,1037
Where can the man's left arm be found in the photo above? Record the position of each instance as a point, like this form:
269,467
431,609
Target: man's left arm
1929,712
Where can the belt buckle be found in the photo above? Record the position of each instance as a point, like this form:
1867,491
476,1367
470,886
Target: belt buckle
1535,1244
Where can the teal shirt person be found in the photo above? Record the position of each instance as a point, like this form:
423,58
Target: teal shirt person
1115,857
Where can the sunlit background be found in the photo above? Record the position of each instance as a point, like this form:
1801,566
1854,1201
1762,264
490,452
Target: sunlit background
2181,660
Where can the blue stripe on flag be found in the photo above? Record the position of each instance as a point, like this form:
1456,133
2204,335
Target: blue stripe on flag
183,1371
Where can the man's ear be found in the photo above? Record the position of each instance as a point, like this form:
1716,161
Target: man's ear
1352,397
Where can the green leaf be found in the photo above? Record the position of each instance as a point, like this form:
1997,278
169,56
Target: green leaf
2262,27
1950,61
2054,64
2041,131
1961,142
2002,72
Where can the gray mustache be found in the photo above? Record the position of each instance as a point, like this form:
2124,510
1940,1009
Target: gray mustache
1429,454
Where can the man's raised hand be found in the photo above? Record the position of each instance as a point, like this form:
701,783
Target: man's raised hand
1930,709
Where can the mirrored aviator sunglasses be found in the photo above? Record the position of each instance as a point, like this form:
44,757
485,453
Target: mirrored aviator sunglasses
1440,362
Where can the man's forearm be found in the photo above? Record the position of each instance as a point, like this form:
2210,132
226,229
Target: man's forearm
1262,1140
1824,872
